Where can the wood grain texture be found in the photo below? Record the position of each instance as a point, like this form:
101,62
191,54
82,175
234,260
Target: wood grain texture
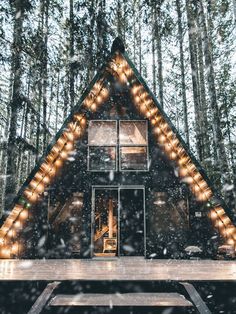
43,298
124,299
126,268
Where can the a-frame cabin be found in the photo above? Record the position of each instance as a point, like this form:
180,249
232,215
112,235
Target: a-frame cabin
117,180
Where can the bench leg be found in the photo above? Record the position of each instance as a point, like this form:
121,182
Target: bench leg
196,298
43,298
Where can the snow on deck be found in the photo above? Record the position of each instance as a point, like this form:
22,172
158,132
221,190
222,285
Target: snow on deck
123,268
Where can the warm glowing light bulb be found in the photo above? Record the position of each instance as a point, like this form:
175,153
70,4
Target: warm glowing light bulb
172,155
46,179
183,160
220,211
93,107
153,121
99,100
157,130
11,233
162,138
183,171
197,176
24,214
17,224
225,220
14,248
122,78
168,147
69,146
187,179
129,73
34,184
40,188
5,252
104,93
58,163
135,89
64,154
213,215
83,121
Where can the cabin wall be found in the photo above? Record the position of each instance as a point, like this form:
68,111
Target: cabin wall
60,225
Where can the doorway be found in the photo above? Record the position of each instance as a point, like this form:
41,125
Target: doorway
118,221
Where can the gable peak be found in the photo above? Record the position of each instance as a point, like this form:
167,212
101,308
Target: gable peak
117,45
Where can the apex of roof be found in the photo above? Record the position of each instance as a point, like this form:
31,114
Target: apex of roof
117,45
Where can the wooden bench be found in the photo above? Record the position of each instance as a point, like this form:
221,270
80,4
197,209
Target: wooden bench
124,299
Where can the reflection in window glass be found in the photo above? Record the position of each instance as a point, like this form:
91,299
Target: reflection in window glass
133,133
102,158
133,158
171,212
64,215
102,133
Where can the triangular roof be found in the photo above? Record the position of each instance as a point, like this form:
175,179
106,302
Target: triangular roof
120,66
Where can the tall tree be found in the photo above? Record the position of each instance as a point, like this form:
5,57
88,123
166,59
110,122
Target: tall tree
220,154
182,68
154,19
159,51
19,8
71,55
194,74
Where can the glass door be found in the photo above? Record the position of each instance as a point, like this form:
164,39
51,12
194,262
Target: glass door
118,221
105,222
132,222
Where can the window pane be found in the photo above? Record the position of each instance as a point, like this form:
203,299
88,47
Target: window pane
133,133
105,222
133,158
102,158
171,212
102,133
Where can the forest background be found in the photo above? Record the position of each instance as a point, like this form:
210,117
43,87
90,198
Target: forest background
51,49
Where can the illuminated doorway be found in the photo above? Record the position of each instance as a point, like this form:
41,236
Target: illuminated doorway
118,221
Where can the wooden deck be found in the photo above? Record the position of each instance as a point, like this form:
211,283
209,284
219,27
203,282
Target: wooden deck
125,299
126,268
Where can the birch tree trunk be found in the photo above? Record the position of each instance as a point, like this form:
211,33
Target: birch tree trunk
15,103
234,9
139,37
202,96
183,84
159,52
45,6
71,56
194,74
154,19
90,48
220,154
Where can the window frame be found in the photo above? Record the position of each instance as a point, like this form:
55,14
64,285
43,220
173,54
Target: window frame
118,147
134,145
103,146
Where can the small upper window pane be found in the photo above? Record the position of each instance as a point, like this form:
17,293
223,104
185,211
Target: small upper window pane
134,158
102,133
133,133
102,158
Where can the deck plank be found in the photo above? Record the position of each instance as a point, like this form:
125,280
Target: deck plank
196,298
124,299
126,268
43,298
